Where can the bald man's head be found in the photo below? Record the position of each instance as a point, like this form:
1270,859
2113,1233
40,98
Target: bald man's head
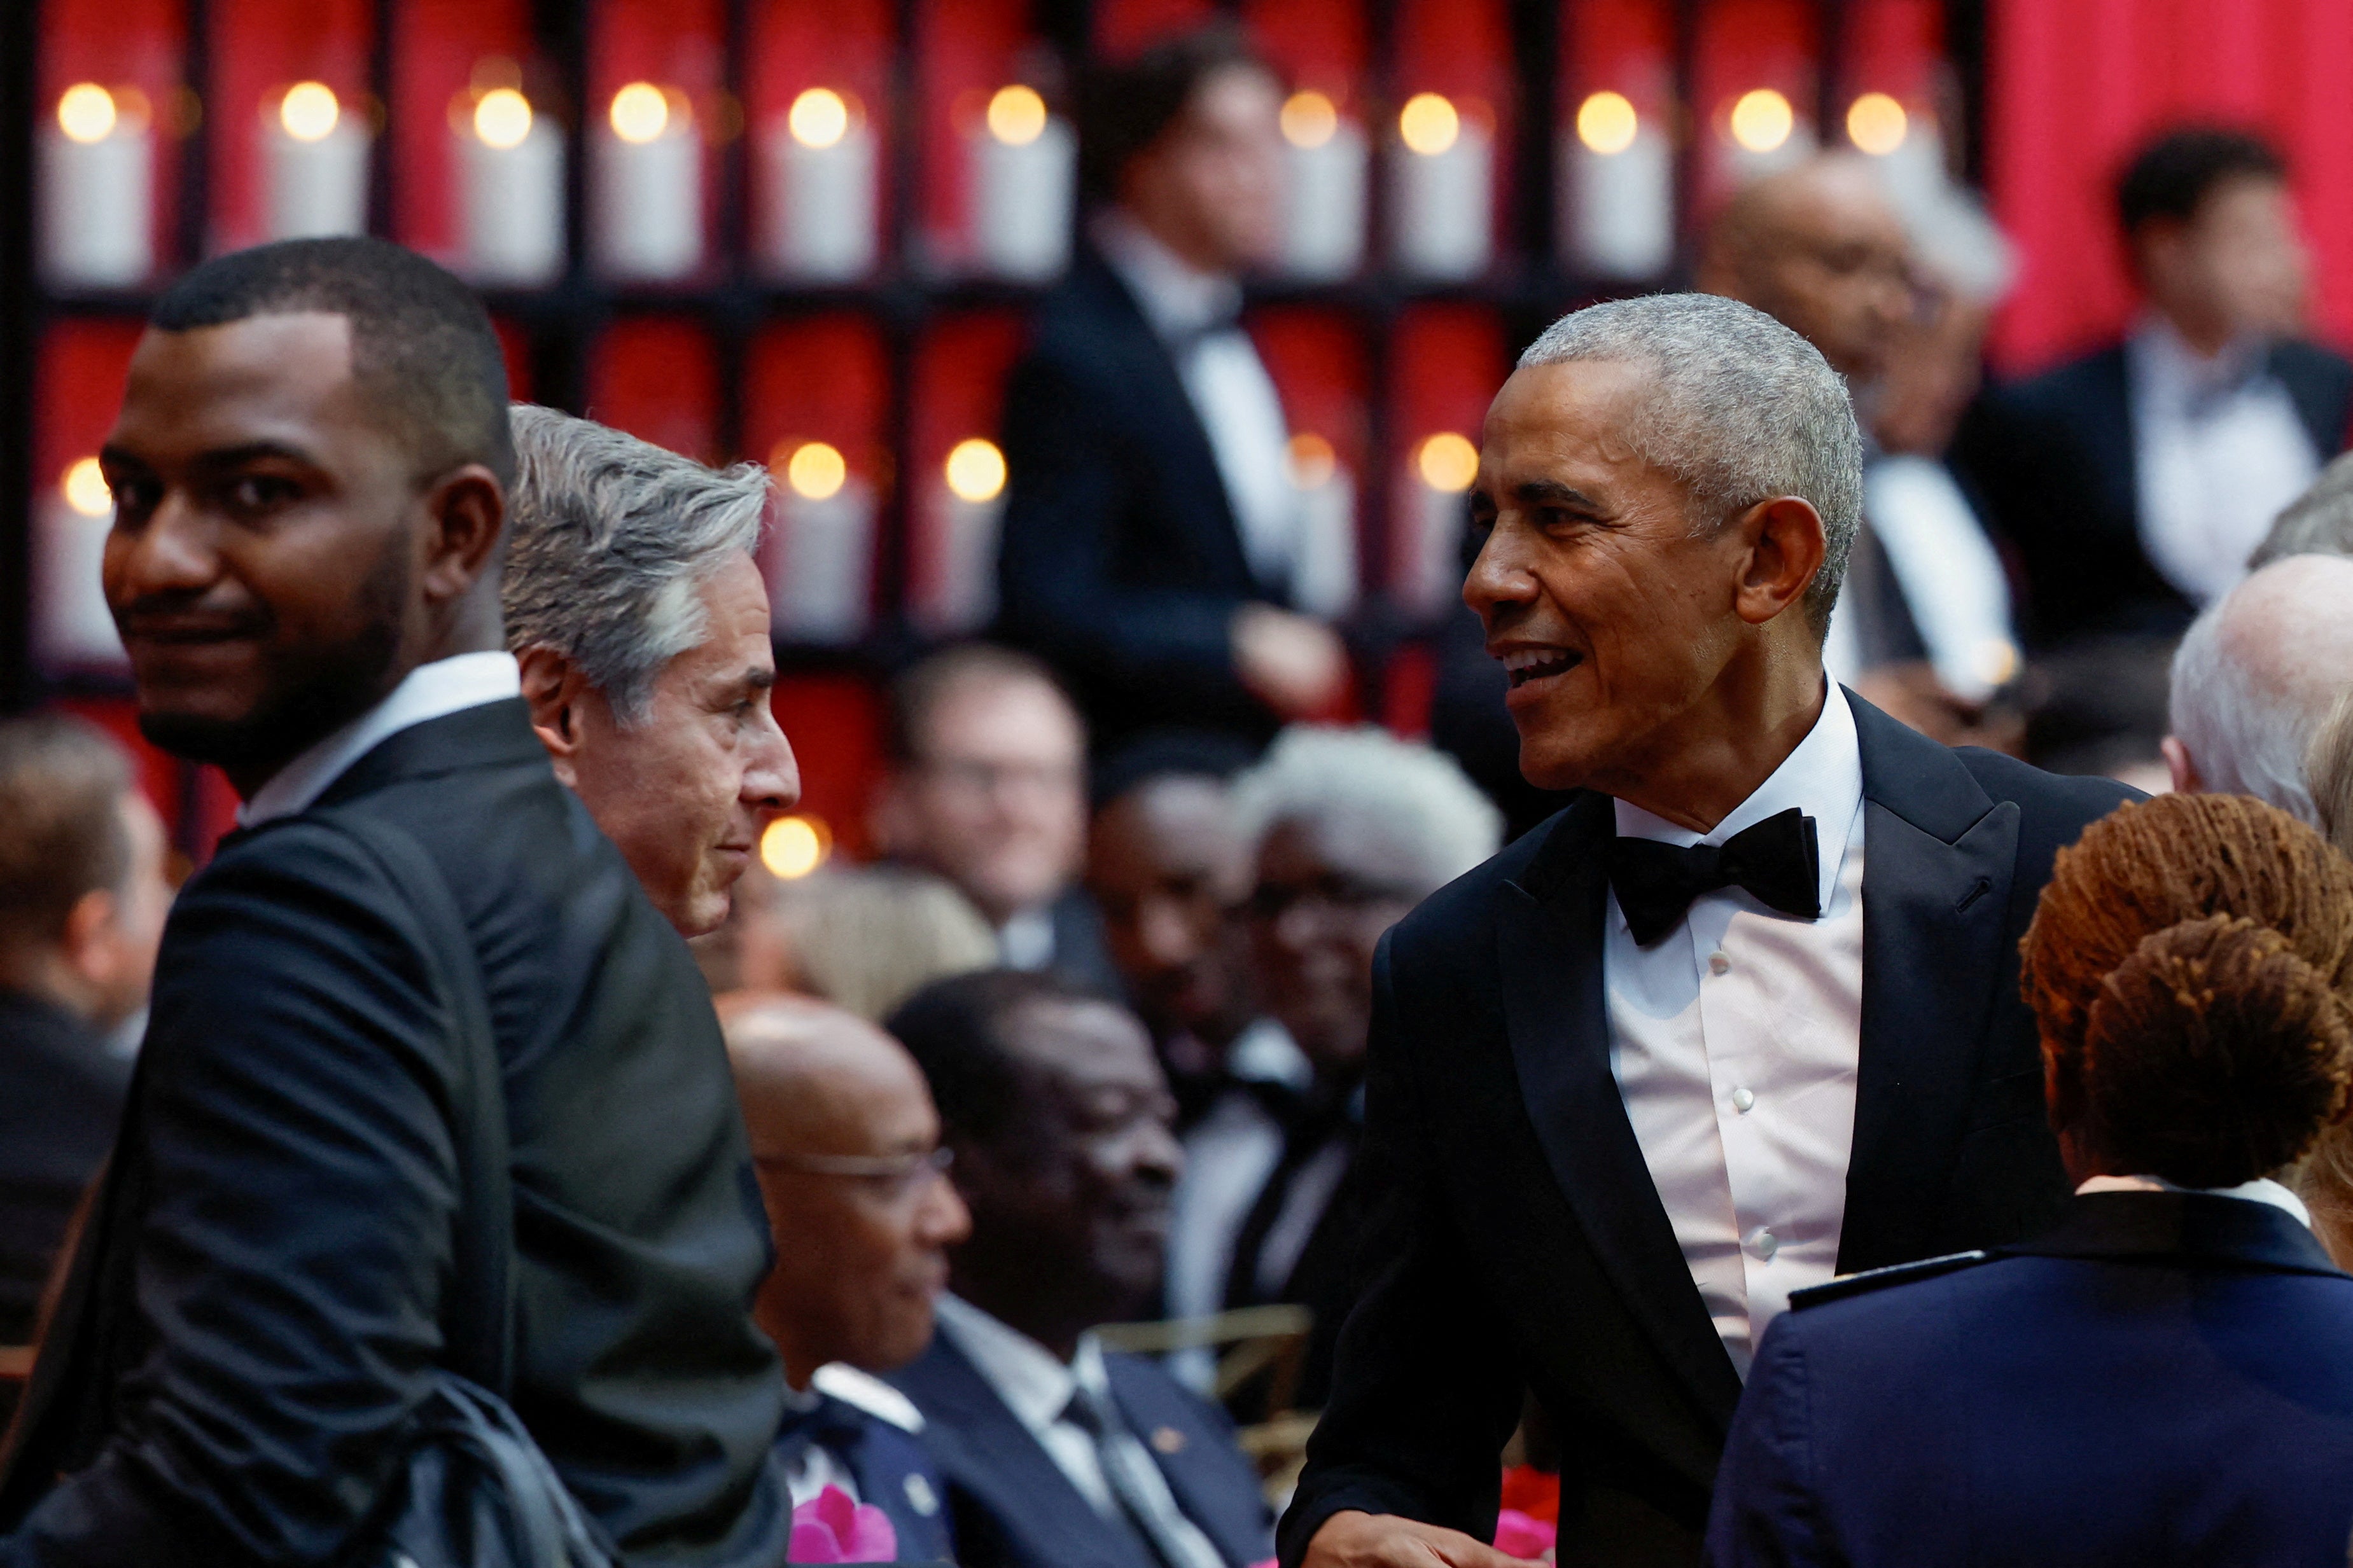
2257,676
1819,249
847,1144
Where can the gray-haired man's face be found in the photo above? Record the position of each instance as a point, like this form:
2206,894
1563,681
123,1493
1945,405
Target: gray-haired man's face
686,790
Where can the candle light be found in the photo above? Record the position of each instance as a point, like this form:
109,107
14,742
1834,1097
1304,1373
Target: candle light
1766,134
823,200
650,187
1618,213
73,627
1324,221
957,591
98,183
1428,564
1324,570
317,164
1443,189
511,164
820,559
1024,168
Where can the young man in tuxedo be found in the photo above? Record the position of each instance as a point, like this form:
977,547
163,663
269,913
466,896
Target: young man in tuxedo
309,474
1743,1015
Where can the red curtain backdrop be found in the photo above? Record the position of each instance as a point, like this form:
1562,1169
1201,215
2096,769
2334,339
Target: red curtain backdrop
2072,85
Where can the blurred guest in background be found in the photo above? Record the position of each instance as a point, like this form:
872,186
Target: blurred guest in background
1056,1453
1351,828
1168,872
2330,770
864,938
2317,522
2167,1377
640,619
2256,677
1922,626
2133,483
1151,527
2326,1180
848,1149
988,789
82,900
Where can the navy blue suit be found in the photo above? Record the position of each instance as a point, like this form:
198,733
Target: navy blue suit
1122,562
2166,1378
1013,1508
891,1468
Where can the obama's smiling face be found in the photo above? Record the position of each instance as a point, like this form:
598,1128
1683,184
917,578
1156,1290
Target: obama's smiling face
1620,613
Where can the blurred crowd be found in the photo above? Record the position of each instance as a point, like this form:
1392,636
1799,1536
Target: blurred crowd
1056,1106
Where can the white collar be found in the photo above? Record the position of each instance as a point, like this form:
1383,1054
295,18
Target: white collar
1265,1053
1034,1386
2262,1190
1178,299
1821,777
428,692
2163,361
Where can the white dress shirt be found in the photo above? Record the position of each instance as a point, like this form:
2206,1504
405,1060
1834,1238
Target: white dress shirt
2262,1190
1224,380
1734,1040
1038,1389
816,1468
429,691
2217,450
1952,578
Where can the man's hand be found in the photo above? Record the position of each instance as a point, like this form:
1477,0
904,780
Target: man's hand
1291,663
1385,1541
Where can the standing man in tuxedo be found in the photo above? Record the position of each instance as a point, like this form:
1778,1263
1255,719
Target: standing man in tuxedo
1742,1016
1151,528
309,474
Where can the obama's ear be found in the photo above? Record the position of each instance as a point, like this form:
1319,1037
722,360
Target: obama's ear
555,690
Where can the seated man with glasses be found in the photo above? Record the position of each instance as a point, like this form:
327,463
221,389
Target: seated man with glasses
1058,1453
848,1149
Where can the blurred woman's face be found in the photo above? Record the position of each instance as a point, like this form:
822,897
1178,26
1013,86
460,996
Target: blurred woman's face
1315,917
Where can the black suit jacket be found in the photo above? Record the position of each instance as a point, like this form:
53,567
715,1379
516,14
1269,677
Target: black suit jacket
2052,456
2168,1377
1012,1506
1519,1243
892,1472
57,1120
262,1303
1121,562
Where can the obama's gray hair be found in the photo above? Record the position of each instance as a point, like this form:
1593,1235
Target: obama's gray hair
1741,409
609,541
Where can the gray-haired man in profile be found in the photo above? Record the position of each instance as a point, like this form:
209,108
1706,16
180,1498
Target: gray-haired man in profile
2256,678
636,609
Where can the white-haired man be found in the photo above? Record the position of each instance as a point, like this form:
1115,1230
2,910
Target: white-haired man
1679,1051
1347,829
640,621
2256,677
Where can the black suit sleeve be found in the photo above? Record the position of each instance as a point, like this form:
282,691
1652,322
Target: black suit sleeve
1059,577
1426,1385
301,1183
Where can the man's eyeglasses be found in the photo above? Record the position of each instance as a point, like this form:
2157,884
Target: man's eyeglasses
896,1177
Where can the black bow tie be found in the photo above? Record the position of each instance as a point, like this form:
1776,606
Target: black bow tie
1776,860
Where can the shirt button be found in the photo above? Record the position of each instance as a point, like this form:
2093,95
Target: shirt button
1741,1100
1718,962
1767,1245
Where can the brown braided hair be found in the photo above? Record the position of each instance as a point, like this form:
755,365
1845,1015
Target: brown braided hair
2191,965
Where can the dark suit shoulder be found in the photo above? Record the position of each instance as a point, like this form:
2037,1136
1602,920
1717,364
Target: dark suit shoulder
1870,1280
2065,386
1456,922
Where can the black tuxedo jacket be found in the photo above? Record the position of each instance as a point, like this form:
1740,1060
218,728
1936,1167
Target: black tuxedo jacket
260,1312
1012,1506
2052,456
56,1122
1121,561
1518,1243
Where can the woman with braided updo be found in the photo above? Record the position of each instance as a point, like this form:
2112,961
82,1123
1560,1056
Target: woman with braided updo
2168,1376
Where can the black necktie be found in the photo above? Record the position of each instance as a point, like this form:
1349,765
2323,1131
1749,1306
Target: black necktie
1147,1507
1776,860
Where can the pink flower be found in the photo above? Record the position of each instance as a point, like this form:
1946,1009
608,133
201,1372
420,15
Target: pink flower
829,1528
1518,1535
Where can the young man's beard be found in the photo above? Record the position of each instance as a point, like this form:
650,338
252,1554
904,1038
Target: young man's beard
313,691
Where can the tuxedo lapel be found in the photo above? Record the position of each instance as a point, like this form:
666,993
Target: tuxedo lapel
1556,1009
1938,859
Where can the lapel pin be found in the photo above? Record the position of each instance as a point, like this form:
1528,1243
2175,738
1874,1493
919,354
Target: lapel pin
1167,1440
